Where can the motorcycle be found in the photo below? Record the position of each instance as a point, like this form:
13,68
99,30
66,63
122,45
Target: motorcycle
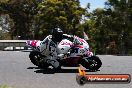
68,53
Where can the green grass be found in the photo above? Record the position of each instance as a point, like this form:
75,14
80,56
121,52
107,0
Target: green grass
4,86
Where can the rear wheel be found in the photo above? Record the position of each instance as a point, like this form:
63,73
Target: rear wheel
92,63
36,59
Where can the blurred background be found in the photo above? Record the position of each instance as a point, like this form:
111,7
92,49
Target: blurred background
108,23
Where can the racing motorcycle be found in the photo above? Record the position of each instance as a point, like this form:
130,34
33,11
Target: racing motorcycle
68,53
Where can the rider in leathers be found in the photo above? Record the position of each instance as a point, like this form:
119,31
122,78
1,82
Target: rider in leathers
57,36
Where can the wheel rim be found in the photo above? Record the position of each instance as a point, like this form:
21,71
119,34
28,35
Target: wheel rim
93,63
37,59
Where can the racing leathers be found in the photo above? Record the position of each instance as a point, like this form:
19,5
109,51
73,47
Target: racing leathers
53,55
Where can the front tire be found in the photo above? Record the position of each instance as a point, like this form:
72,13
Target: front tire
92,63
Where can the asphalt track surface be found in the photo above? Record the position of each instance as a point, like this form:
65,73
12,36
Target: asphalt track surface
17,71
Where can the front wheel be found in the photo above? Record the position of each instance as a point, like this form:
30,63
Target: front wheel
36,59
92,63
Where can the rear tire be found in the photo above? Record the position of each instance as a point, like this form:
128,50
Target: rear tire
36,59
92,63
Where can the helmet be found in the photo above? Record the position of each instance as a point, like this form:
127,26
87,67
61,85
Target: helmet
57,34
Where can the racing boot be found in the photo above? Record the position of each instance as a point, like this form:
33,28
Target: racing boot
54,63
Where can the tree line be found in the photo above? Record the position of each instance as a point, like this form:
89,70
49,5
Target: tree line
109,28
